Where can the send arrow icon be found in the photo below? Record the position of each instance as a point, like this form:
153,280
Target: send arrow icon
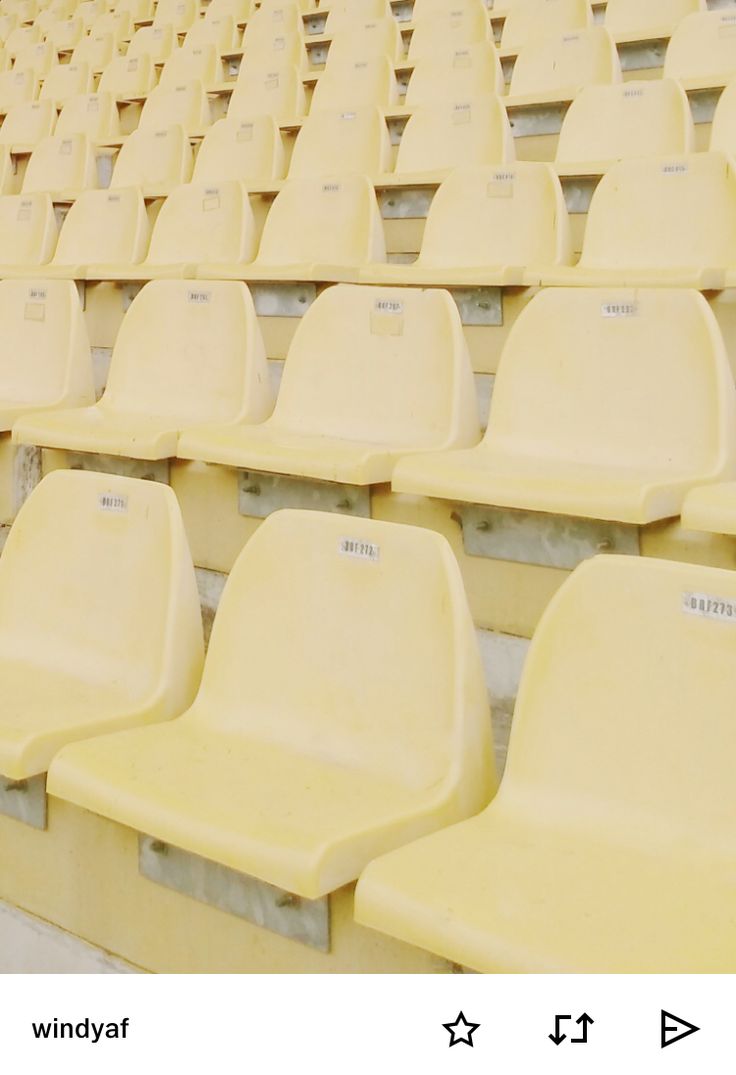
675,1029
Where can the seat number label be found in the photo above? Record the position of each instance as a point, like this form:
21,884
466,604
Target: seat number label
359,550
709,606
114,502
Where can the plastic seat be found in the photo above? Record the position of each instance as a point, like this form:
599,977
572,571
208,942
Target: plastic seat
180,14
557,68
586,832
349,142
633,119
489,226
199,61
532,20
238,10
26,124
275,51
608,404
39,58
346,13
711,508
118,23
269,20
372,374
660,220
158,42
20,38
61,165
258,777
89,11
364,41
93,114
452,29
184,356
139,10
453,134
352,84
220,32
702,50
97,51
16,88
185,104
317,229
65,33
276,92
630,19
108,227
66,81
71,670
248,150
723,130
128,76
157,161
27,232
463,74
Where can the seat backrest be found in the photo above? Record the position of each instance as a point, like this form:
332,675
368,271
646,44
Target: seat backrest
237,10
271,19
21,37
491,216
204,223
192,352
380,364
154,158
663,211
139,10
61,163
452,29
629,119
566,62
219,31
268,91
27,229
346,13
199,61
17,87
357,693
251,150
93,114
703,46
8,23
177,13
91,10
351,84
97,50
158,42
364,40
533,20
40,58
636,380
108,227
629,16
329,221
456,133
118,23
26,124
647,643
185,104
65,33
460,74
66,80
113,596
723,130
129,76
46,360
334,143
277,50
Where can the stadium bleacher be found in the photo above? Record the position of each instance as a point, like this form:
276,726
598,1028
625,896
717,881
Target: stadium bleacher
365,364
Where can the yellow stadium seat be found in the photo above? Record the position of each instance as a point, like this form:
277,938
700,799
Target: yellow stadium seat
46,361
65,33
158,42
97,51
180,14
372,374
557,68
184,355
39,58
630,19
274,52
333,143
723,130
585,831
20,39
108,227
16,88
238,10
453,29
366,40
128,76
220,32
185,104
451,134
26,124
462,74
711,508
65,81
27,231
270,20
157,161
63,166
89,11
199,61
95,666
93,114
532,20
301,795
346,13
608,404
702,50
118,23
488,226
660,221
139,10
351,84
264,91
316,229
632,119
27,10
251,150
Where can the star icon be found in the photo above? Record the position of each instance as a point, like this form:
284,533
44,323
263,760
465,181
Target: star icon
461,1031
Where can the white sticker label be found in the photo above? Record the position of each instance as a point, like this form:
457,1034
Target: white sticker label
113,197
161,134
633,93
347,115
199,297
330,188
388,306
93,104
24,211
677,168
66,148
133,64
710,607
114,502
461,113
619,309
37,294
279,44
360,550
245,133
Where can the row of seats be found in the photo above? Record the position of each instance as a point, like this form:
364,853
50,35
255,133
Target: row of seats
387,780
